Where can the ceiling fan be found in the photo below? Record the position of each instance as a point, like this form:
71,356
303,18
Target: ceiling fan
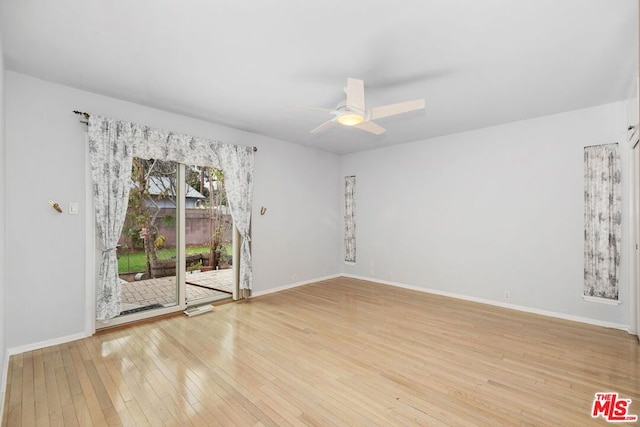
352,111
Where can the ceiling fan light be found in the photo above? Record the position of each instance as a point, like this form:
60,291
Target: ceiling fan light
350,119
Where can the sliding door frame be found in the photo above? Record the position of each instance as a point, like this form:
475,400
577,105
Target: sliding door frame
92,255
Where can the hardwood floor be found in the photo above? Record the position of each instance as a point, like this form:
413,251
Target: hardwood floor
338,352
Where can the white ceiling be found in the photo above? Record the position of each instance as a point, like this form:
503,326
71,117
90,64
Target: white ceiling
238,63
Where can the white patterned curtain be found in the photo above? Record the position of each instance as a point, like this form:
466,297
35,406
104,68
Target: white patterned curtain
350,218
237,165
111,155
124,140
602,217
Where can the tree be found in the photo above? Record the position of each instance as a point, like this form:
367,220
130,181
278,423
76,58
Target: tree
154,181
218,213
143,211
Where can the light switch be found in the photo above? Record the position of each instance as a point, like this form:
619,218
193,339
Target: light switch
73,208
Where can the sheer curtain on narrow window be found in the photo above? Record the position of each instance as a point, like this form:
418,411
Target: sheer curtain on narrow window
602,218
350,218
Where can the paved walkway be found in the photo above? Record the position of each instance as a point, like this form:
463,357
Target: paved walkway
220,280
218,283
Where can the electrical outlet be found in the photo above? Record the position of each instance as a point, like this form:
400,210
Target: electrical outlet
390,276
507,295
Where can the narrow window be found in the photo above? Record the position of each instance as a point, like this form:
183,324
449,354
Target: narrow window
602,217
350,218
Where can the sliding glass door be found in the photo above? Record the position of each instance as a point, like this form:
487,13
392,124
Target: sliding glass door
208,236
176,248
149,245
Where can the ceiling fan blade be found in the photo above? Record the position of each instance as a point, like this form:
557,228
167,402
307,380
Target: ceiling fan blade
370,127
355,94
324,126
304,107
393,109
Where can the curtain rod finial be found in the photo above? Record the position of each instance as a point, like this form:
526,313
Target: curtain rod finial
82,113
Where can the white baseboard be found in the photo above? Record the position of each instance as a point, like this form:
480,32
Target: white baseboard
43,344
523,308
294,285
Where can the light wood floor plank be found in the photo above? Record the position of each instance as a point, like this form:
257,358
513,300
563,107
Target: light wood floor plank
337,352
88,401
28,394
53,398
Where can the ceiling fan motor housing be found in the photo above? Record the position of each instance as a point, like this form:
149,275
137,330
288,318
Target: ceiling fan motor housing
349,115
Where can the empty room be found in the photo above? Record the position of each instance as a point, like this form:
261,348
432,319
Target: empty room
319,213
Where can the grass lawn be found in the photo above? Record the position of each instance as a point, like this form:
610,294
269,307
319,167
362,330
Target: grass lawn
136,262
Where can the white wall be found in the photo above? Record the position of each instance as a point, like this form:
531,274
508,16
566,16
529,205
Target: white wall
474,214
45,293
296,239
2,243
493,210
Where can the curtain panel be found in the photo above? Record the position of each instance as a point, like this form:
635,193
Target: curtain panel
113,145
110,156
602,219
350,218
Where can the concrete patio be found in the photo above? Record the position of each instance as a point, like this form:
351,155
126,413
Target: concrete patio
216,284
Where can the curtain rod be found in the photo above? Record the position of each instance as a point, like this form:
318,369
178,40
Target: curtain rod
601,145
87,115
